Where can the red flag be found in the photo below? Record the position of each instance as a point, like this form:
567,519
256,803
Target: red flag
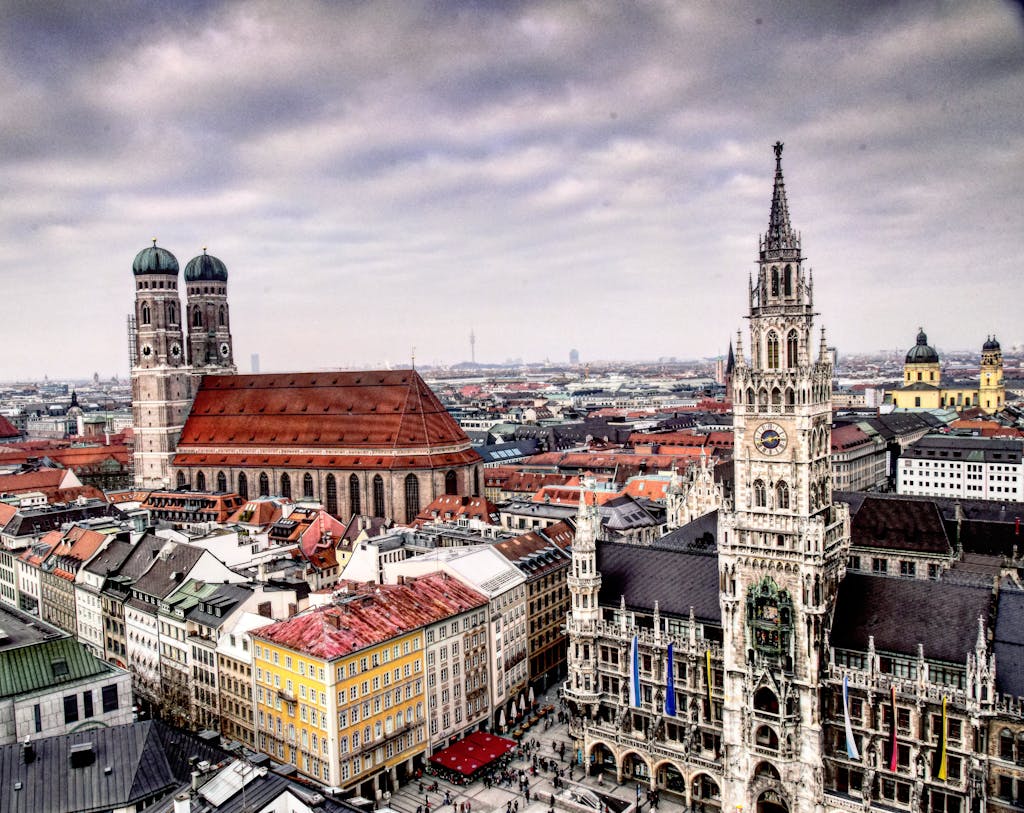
893,762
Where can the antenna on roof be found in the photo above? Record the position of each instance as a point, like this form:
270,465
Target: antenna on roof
414,358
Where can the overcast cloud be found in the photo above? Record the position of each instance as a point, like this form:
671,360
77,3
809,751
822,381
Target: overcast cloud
593,175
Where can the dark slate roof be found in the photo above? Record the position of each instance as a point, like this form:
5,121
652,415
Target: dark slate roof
48,664
226,597
110,558
902,613
260,793
33,521
142,556
699,536
898,524
160,580
146,759
1009,642
677,580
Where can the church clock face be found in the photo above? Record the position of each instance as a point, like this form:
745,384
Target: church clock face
770,438
224,349
175,350
147,350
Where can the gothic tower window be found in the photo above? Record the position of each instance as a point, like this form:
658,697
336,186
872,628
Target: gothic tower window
353,495
147,316
750,395
221,316
243,486
197,317
767,738
412,497
307,485
222,482
773,350
181,479
766,700
788,280
775,281
782,494
451,483
790,396
378,496
332,494
286,486
760,496
200,482
264,484
476,482
172,314
791,349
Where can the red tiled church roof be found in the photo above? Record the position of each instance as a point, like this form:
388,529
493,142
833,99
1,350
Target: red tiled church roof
375,419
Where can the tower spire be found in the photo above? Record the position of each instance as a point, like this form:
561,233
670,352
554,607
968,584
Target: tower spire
780,234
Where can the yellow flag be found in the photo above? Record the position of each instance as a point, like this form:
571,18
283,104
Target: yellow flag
711,708
942,754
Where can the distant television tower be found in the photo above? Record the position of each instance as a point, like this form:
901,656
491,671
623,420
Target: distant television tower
472,346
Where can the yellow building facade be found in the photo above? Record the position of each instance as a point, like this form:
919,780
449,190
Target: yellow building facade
340,690
923,387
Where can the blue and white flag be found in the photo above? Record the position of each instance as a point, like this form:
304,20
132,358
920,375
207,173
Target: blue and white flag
634,674
851,745
670,687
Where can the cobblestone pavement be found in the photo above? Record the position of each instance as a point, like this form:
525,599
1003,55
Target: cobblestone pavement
496,798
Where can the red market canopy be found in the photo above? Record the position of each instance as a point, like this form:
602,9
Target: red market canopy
473,752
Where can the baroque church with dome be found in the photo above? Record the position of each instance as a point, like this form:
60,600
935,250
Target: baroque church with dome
799,650
923,387
376,443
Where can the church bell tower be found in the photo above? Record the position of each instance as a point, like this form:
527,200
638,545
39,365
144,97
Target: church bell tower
783,544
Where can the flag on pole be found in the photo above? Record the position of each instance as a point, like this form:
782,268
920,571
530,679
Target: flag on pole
634,674
943,756
893,761
851,745
670,688
711,706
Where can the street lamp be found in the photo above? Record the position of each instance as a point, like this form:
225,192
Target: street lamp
638,798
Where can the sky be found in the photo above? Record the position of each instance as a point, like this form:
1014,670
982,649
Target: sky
381,176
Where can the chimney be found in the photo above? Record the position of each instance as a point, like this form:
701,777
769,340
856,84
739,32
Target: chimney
28,752
182,804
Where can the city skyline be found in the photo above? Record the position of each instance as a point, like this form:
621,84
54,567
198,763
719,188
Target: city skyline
401,174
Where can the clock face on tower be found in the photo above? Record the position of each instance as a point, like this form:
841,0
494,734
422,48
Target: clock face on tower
224,349
770,438
147,350
175,350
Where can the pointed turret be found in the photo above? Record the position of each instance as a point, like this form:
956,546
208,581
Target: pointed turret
780,238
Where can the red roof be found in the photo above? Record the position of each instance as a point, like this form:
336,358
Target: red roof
475,751
361,414
8,429
455,506
370,614
39,480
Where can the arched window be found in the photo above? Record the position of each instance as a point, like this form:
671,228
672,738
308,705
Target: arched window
767,738
222,482
777,396
172,313
750,395
766,769
775,281
286,486
773,350
222,317
760,496
1006,745
412,497
476,482
197,317
243,486
766,700
451,483
792,344
782,495
147,315
181,479
813,496
307,485
355,504
378,496
790,396
788,280
200,482
264,484
331,487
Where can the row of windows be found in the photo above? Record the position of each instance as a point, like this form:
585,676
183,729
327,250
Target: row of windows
109,702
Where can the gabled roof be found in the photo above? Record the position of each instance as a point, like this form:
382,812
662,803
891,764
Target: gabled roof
354,412
131,763
47,665
899,524
168,570
676,579
370,614
902,613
